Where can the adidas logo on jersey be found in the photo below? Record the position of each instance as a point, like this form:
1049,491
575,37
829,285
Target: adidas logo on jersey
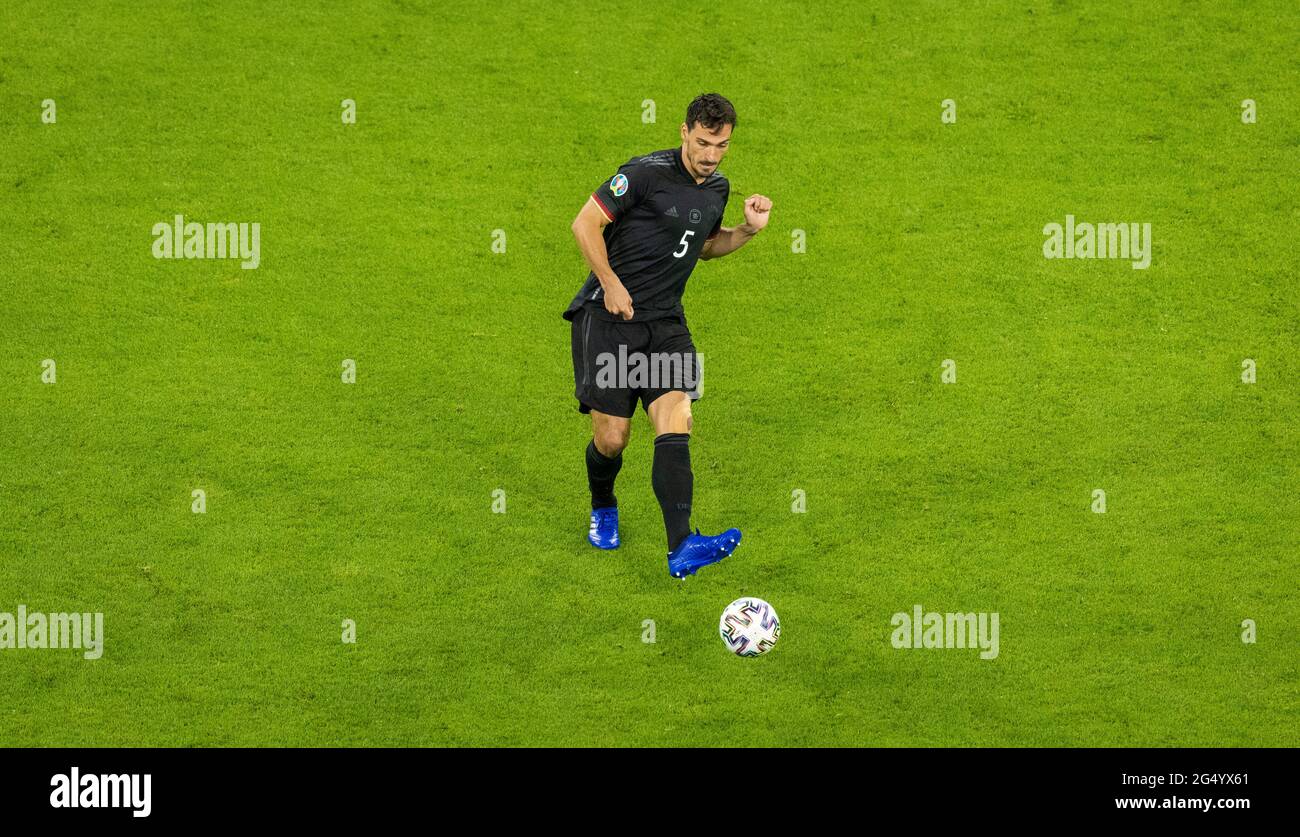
672,211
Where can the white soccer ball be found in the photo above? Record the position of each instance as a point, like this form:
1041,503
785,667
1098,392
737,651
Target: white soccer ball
749,627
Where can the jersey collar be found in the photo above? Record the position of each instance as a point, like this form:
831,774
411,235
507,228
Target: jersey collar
680,166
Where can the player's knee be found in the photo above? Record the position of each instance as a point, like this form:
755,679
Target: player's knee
675,419
682,417
611,439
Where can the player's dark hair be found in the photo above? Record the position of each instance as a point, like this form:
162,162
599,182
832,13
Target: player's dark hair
712,111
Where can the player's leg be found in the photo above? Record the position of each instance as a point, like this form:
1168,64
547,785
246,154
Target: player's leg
611,412
671,476
609,435
669,409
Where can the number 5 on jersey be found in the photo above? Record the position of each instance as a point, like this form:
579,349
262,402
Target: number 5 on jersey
685,244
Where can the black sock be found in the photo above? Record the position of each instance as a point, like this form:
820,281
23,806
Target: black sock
601,471
673,483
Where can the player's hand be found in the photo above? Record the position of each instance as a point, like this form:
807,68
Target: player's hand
618,301
757,209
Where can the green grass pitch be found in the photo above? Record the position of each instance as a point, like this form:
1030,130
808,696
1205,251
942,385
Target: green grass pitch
372,501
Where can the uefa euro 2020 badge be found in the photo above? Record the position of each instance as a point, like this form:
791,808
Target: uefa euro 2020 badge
618,185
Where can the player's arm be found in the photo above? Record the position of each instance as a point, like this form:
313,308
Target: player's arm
728,240
588,228
731,239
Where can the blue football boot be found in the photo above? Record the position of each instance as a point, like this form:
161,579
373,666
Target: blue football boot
700,551
604,528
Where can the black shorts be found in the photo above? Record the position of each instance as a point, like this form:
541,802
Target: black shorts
616,363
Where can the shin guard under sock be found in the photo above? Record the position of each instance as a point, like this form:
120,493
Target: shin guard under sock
601,471
673,484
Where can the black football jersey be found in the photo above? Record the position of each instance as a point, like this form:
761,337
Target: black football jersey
659,220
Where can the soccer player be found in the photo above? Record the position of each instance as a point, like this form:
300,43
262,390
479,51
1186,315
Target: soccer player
642,232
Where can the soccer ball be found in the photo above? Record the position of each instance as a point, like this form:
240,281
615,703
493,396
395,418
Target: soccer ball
749,627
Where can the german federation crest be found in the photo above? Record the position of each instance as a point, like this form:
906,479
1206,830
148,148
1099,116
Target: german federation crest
618,185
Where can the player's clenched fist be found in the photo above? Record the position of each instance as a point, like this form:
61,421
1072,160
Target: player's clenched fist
617,301
757,209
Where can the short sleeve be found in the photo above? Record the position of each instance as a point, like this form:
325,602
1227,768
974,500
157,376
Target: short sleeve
717,227
624,190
